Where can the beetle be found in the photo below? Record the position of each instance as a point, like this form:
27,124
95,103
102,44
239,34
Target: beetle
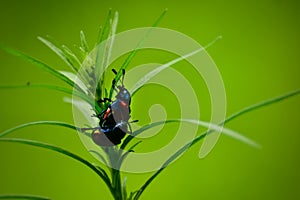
109,136
113,124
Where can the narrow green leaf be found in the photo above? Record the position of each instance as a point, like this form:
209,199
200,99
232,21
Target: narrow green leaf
99,155
132,194
105,92
225,131
109,46
86,110
39,64
87,96
133,146
64,152
53,87
144,128
84,44
208,125
156,71
104,31
262,104
60,52
80,52
54,123
200,137
107,54
99,35
124,191
133,53
76,78
22,196
123,157
72,57
36,123
103,171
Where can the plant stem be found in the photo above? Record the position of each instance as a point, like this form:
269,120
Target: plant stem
114,157
116,178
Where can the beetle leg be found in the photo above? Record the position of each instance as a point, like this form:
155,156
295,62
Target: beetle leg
87,129
104,100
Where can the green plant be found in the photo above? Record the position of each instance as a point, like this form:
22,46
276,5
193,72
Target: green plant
114,155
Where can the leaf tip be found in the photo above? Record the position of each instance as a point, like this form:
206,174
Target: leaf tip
219,37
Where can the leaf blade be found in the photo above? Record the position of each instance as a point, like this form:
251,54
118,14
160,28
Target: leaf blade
197,139
156,71
22,196
72,57
52,87
84,43
54,123
103,32
39,64
58,51
208,125
107,54
61,151
133,53
262,104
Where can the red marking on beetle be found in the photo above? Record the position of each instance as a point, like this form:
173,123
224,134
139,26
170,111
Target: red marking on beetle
97,132
107,113
123,103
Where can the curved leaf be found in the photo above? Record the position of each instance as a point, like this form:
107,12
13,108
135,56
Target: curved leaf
83,41
104,31
75,79
208,125
103,171
85,95
197,139
52,87
154,72
133,146
96,169
55,123
60,52
86,110
133,53
22,196
144,128
71,57
39,64
99,155
102,62
262,104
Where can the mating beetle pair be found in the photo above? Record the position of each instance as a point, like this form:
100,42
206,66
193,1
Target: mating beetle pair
114,124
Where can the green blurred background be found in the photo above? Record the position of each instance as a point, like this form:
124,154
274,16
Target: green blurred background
258,58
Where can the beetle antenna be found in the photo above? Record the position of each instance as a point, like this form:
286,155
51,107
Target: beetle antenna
114,84
123,75
87,129
114,71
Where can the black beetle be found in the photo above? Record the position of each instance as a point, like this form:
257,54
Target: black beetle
114,124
